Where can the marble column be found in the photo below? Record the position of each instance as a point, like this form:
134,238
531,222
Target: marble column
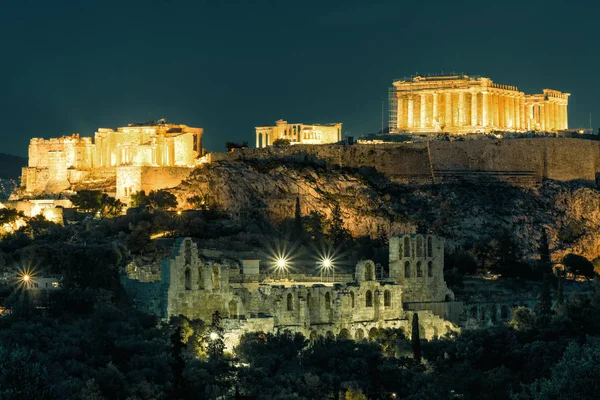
423,116
496,110
565,117
523,114
462,112
517,118
485,113
410,113
400,116
436,110
500,110
474,109
448,116
542,116
507,111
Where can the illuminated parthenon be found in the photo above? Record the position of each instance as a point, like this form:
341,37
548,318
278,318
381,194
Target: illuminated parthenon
465,104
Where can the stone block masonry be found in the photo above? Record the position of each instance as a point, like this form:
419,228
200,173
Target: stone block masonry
193,287
543,158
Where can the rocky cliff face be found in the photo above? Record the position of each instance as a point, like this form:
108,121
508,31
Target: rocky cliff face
464,212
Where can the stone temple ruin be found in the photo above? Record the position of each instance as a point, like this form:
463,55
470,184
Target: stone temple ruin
188,284
147,156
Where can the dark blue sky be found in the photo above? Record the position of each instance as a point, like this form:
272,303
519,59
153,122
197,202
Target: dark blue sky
74,66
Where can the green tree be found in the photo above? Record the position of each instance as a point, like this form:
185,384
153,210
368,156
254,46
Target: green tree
544,306
94,201
313,225
215,341
415,337
139,199
162,200
21,377
87,200
544,250
575,376
199,201
523,319
177,361
298,231
281,142
578,265
560,297
338,234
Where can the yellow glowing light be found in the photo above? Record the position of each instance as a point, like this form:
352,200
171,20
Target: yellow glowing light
213,336
281,263
26,278
327,263
178,212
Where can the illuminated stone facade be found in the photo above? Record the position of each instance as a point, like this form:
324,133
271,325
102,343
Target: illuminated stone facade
298,133
189,285
156,152
463,104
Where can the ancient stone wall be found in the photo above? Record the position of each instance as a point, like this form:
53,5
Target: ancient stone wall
547,158
191,286
417,264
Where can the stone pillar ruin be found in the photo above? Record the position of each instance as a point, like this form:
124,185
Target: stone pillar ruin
448,117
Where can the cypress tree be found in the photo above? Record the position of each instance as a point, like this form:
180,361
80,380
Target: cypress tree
560,297
415,338
298,219
544,250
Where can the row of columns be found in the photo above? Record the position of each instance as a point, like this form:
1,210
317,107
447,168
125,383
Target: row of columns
463,110
548,115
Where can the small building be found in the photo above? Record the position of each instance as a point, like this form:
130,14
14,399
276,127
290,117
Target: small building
298,133
42,283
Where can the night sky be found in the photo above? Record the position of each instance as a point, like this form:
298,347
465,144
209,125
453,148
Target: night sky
75,66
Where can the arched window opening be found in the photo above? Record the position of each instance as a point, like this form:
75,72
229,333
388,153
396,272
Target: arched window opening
483,314
188,279
290,302
406,246
473,312
352,299
188,252
493,313
373,333
369,299
419,246
216,278
359,335
430,269
200,277
327,300
387,298
344,334
233,309
429,247
309,300
369,272
419,270
407,269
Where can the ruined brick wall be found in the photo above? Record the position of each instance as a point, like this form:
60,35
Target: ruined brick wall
417,264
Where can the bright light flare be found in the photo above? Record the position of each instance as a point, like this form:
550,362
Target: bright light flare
281,263
213,336
26,278
179,212
326,263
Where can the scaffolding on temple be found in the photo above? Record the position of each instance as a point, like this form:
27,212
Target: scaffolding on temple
393,111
